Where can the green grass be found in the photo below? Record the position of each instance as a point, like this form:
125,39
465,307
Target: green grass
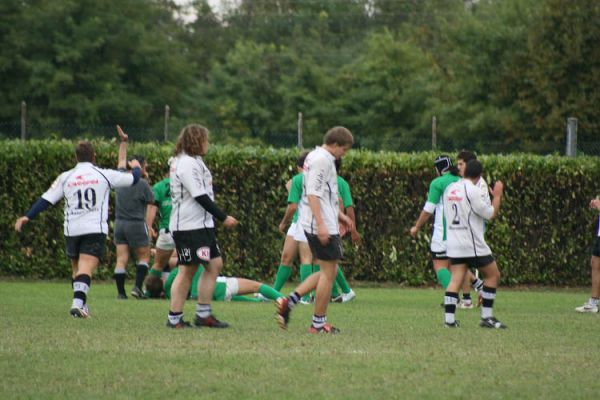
392,345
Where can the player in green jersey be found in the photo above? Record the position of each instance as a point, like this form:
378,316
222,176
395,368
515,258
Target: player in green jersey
165,245
226,288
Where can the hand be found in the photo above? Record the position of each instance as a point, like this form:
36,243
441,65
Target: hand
282,226
134,164
152,232
498,189
413,231
20,222
355,237
595,204
122,135
323,234
230,222
347,221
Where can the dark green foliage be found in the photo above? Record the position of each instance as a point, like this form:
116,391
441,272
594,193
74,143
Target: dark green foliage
542,236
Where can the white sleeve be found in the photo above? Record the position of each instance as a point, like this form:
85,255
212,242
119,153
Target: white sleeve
118,178
478,202
429,207
56,191
317,177
485,190
191,175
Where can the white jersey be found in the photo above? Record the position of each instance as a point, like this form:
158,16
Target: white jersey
190,178
85,189
320,179
466,208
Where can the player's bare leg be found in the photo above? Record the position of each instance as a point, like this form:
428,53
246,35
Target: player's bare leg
491,279
179,293
86,264
458,272
120,270
591,306
306,266
206,288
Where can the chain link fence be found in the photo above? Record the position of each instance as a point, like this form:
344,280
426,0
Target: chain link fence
12,130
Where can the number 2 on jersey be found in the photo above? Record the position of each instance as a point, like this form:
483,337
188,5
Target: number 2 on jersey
455,220
86,199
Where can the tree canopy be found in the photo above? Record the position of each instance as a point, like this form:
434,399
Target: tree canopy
501,74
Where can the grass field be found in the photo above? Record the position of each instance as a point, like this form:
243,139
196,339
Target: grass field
392,345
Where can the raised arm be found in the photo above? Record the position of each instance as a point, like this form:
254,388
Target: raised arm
122,163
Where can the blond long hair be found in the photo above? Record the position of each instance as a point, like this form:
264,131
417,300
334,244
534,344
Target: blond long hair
192,140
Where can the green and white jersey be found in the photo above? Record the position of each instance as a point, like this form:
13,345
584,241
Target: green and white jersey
162,199
344,192
466,209
435,205
295,193
224,288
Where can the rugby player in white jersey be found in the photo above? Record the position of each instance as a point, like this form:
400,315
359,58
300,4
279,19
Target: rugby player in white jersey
319,214
466,209
591,306
463,157
85,189
447,174
193,228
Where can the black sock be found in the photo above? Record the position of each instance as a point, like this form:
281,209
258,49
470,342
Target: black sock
466,296
120,281
81,285
293,299
140,274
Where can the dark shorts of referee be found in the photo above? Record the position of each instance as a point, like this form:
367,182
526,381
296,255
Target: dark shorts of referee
596,248
131,233
332,251
473,262
197,246
92,244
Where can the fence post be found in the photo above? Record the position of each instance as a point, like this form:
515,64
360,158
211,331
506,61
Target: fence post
167,110
300,138
23,120
434,133
571,150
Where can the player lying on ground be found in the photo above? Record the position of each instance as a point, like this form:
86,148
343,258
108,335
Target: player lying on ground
226,288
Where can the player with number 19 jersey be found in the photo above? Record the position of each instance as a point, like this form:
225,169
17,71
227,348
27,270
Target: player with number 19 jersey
86,189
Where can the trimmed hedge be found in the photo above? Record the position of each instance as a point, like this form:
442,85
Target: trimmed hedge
543,235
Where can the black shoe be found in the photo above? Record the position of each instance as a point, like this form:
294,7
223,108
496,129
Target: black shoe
138,294
122,296
180,325
491,323
454,325
210,322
